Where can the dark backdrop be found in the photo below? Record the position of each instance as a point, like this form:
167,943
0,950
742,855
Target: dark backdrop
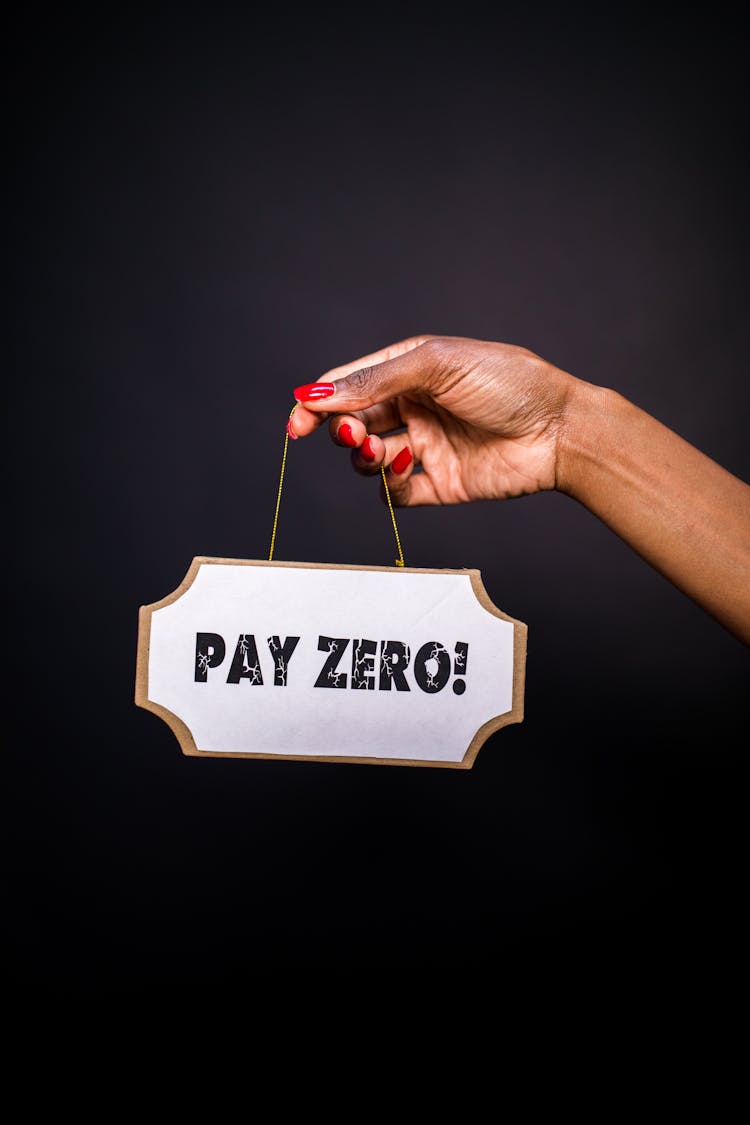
208,210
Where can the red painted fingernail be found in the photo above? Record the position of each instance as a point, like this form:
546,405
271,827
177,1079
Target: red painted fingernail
290,431
401,460
345,435
312,392
367,451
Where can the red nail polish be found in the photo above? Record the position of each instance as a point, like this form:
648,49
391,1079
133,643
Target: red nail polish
367,451
345,435
402,460
290,431
312,392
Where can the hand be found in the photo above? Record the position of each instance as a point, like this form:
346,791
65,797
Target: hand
488,421
482,420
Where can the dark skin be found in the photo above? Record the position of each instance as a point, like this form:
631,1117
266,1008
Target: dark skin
489,421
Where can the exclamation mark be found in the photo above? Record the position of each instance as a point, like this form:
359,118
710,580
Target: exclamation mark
459,666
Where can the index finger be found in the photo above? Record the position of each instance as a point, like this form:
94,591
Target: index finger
391,352
305,421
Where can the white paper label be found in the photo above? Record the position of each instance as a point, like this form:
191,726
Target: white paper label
303,661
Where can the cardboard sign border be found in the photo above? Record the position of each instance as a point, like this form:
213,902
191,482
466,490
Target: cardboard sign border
185,738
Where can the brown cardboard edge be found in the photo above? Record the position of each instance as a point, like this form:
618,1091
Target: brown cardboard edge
185,738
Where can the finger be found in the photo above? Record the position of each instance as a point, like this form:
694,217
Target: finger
370,456
399,459
381,419
347,430
407,488
390,352
393,452
367,386
413,491
302,422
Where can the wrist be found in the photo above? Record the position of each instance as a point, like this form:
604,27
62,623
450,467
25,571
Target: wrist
586,422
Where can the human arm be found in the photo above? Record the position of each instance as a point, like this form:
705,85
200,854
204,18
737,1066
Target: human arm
486,420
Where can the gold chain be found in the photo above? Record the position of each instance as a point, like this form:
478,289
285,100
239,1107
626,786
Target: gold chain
281,485
399,561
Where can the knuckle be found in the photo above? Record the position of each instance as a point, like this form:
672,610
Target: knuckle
359,382
436,346
437,352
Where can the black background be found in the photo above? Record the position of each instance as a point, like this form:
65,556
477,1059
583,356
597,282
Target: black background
209,209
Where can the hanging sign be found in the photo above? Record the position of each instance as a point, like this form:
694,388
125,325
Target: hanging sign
331,663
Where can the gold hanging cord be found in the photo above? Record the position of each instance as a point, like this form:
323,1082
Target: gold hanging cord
399,561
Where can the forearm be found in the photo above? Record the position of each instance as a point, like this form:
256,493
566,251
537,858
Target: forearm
683,513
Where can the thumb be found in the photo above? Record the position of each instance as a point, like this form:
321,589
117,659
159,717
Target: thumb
366,386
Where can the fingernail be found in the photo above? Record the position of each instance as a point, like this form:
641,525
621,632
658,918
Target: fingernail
367,451
290,430
346,436
312,392
401,460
